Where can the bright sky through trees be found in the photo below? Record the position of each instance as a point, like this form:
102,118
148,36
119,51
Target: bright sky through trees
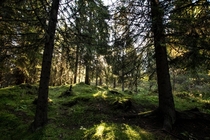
108,2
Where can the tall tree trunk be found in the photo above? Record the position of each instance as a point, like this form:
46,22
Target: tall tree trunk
123,82
166,101
101,81
114,82
96,70
96,80
79,73
122,76
136,80
42,102
62,74
76,65
87,74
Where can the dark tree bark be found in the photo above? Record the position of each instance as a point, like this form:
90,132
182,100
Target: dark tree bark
76,65
123,82
101,81
96,69
96,80
114,82
2,2
87,74
42,102
87,59
166,101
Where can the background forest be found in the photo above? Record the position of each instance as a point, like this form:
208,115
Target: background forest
103,45
138,48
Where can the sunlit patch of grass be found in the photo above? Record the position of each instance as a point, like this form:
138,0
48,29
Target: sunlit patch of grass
101,131
113,131
101,94
121,99
136,133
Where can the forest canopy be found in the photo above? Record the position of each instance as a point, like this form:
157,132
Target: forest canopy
101,44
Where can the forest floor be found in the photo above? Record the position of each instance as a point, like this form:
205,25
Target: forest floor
89,112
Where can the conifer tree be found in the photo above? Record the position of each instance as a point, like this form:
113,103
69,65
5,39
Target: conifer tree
42,102
166,101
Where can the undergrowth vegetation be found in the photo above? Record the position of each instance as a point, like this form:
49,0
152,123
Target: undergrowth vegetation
90,112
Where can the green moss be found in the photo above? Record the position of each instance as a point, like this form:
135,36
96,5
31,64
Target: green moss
91,114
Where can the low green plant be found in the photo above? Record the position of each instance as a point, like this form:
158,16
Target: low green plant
88,114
